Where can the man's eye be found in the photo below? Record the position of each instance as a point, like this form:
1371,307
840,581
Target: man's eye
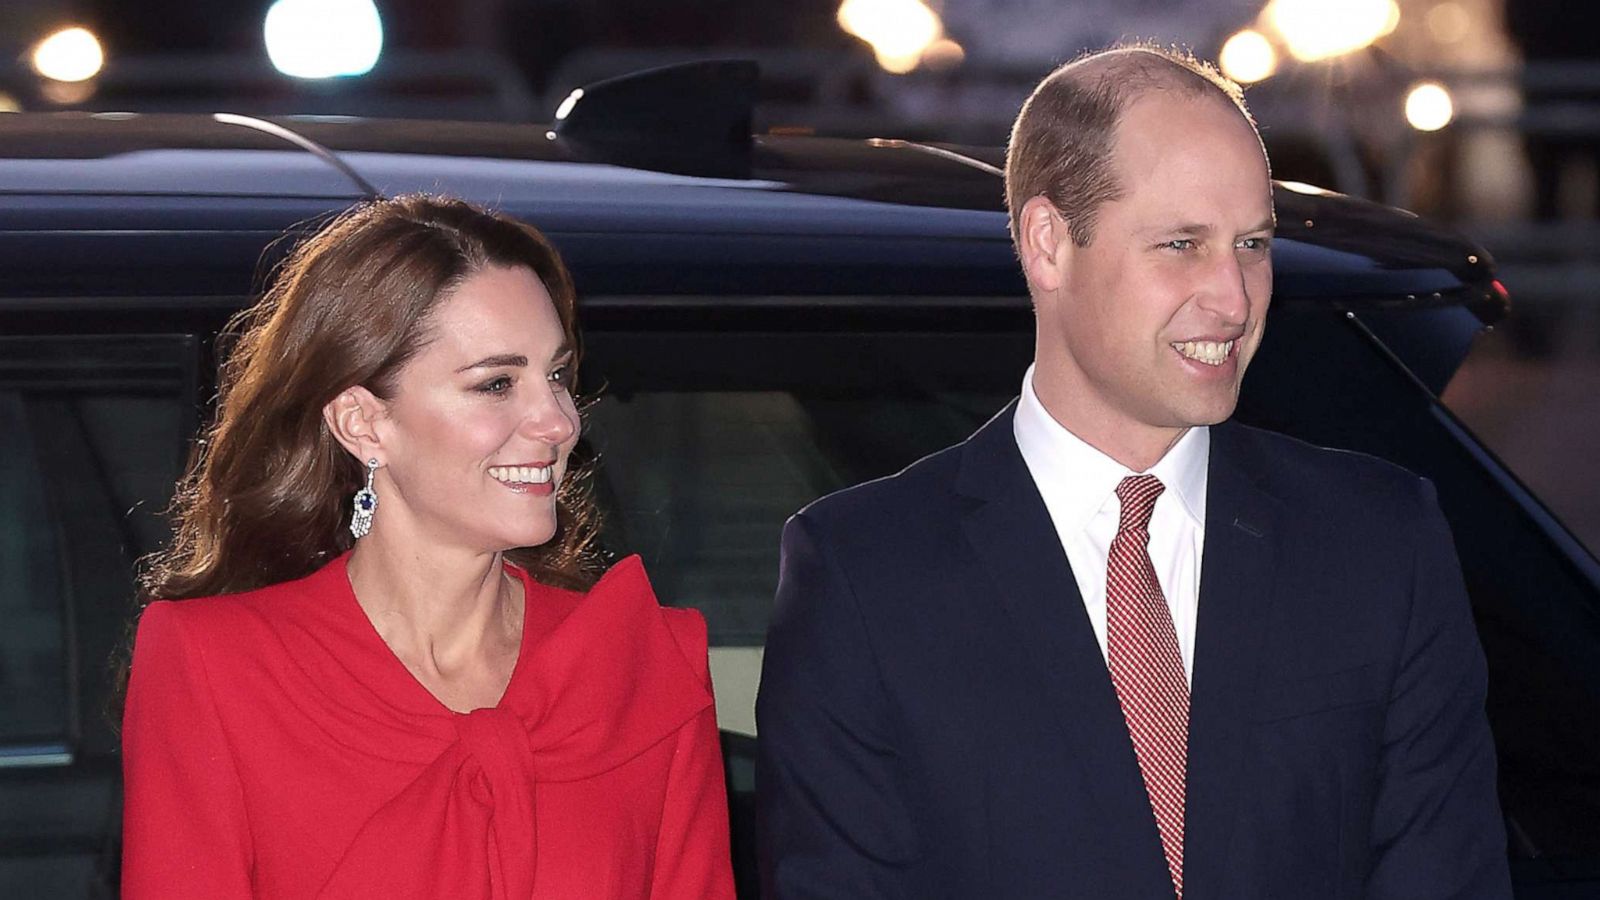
1180,244
1255,244
497,385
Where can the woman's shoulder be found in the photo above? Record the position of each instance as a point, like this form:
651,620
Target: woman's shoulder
239,619
225,617
628,576
686,625
194,635
624,601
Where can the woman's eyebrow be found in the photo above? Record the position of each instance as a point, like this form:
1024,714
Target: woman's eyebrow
490,362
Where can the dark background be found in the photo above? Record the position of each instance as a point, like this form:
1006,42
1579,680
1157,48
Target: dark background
1518,168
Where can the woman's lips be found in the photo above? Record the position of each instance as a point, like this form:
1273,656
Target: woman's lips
538,479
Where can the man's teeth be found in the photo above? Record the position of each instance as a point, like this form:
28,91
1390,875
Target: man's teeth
1212,353
522,474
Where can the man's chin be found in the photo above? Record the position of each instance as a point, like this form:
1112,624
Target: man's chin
1202,414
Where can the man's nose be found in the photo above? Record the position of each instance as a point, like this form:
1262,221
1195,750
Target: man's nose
1227,293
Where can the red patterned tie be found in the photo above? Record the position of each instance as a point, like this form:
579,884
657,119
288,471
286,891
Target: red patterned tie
1146,668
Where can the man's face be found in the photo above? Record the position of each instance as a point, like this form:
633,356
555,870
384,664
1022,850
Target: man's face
1157,318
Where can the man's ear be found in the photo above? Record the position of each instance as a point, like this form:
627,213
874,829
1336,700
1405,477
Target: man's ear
353,417
1042,239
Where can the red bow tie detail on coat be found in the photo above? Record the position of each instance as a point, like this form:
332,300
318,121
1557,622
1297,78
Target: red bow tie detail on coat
570,717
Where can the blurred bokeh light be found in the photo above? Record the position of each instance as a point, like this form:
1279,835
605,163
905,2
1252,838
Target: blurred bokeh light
1323,29
943,55
324,38
1449,22
71,54
900,31
1248,57
1429,107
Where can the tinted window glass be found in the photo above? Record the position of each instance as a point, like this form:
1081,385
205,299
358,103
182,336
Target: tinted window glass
709,442
94,432
33,683
1525,390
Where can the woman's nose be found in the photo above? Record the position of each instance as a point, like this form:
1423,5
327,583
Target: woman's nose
552,418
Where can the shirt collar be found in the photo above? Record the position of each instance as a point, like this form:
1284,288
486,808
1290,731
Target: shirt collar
1077,479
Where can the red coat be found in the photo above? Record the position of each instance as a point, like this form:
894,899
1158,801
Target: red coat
275,747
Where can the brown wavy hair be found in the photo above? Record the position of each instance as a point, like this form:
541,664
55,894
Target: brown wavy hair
267,493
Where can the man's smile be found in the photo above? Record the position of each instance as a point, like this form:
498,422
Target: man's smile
1212,353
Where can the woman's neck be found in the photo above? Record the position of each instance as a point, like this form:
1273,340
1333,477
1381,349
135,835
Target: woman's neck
443,612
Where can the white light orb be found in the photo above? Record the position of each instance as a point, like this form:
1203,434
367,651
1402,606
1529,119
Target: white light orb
900,31
323,38
1248,57
71,54
1429,107
1322,29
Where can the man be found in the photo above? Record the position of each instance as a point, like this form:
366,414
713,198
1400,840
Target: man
1108,647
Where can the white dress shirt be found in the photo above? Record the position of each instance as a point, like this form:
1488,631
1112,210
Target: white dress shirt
1079,485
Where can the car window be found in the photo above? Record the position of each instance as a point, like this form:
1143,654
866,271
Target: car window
708,442
33,675
1524,390
94,434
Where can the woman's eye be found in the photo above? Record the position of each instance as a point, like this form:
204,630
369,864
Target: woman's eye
497,385
560,376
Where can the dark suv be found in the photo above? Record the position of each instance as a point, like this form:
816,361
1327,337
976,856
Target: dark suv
767,319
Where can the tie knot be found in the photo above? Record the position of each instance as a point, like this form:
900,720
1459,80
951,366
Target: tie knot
1138,494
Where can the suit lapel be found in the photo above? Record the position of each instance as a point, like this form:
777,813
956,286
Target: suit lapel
1009,528
1243,534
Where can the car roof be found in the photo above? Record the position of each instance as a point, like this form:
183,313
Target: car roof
815,208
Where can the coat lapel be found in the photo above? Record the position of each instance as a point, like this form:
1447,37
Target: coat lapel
1009,527
1242,546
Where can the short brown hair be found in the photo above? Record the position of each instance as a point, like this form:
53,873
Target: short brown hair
1062,142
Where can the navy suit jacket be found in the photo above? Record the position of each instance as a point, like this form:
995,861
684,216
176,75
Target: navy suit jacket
936,719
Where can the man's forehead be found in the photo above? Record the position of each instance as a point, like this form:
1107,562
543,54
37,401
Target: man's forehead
1169,108
1162,126
1184,166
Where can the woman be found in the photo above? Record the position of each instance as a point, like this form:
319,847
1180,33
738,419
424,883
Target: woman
372,700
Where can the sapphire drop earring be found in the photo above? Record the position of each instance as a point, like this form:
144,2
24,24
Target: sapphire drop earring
366,504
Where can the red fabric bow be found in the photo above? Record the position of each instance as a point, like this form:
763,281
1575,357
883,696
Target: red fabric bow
568,717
